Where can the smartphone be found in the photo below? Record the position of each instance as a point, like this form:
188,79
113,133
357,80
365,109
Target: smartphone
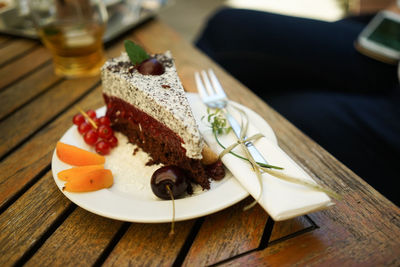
380,39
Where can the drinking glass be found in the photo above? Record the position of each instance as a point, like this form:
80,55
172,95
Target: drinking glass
72,30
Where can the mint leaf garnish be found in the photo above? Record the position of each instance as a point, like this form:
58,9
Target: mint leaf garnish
136,53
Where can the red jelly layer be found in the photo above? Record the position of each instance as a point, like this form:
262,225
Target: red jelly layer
160,142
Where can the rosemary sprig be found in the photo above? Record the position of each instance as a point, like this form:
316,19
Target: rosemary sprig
219,126
217,121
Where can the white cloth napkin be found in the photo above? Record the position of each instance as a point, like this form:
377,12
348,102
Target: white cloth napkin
282,200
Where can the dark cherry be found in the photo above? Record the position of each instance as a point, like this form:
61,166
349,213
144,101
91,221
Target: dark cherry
172,176
151,66
216,170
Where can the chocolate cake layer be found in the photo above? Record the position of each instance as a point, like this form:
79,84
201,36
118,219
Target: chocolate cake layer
162,144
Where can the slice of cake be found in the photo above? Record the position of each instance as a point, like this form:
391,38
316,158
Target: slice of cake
152,110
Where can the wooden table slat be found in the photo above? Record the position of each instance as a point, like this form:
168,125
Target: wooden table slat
286,228
4,39
333,244
21,92
79,241
34,115
23,66
160,249
238,232
15,49
29,218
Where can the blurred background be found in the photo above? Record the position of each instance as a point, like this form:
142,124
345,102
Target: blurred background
14,17
195,12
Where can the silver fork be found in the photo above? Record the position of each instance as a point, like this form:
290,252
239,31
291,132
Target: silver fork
213,95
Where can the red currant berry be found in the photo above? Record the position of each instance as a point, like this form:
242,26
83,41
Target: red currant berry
96,121
104,121
102,147
104,132
78,119
112,141
90,137
84,127
91,113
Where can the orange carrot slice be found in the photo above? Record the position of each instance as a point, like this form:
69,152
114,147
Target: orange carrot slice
91,181
76,156
78,172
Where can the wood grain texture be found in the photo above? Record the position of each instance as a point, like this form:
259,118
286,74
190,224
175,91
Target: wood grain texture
30,159
29,218
35,114
18,94
149,245
15,49
284,229
333,244
23,66
226,234
233,231
79,241
4,39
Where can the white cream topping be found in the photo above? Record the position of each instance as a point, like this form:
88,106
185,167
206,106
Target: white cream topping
160,96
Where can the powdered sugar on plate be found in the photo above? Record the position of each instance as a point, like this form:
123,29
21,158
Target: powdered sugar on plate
131,175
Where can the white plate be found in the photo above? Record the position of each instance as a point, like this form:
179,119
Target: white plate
138,204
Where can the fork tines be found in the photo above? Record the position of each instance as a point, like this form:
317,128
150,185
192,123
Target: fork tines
210,89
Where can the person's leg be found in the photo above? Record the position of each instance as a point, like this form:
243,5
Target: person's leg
362,131
270,52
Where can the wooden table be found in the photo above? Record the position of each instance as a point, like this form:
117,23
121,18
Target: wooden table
40,226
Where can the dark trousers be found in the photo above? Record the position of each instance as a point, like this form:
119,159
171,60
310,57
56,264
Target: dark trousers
309,71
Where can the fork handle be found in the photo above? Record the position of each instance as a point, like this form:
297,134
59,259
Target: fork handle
252,149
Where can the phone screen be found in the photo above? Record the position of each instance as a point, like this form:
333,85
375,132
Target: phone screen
387,33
